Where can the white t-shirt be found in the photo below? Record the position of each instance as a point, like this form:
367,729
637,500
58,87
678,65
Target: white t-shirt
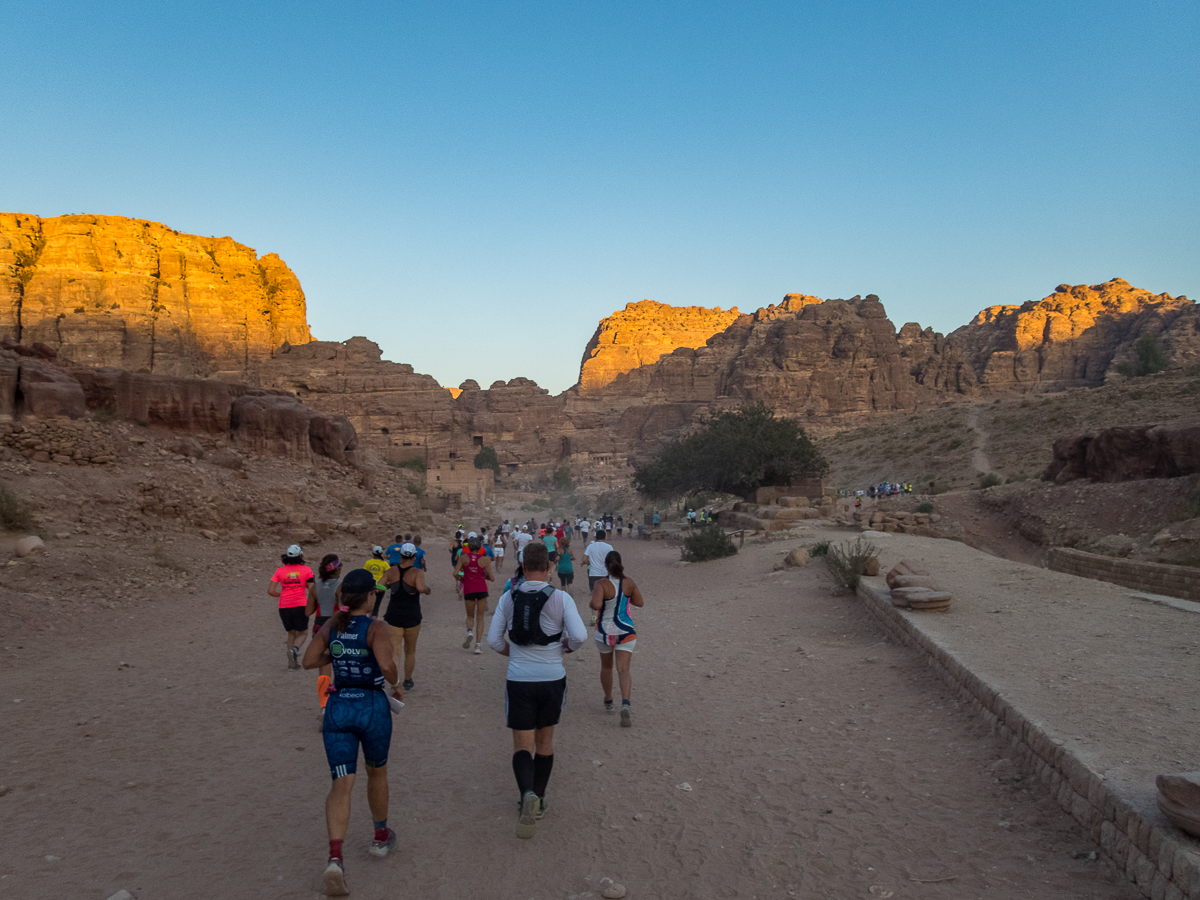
583,528
535,662
595,553
522,541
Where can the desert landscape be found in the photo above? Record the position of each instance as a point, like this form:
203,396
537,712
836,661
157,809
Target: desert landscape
168,426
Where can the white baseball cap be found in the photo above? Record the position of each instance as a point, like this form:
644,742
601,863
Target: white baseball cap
376,549
471,534
295,550
408,549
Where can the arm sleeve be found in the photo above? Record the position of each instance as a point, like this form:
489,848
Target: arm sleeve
576,630
499,626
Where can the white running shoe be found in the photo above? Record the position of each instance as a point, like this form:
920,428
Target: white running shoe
527,818
470,639
335,879
478,649
626,716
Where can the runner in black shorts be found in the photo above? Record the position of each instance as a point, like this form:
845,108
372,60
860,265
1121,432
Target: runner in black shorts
537,680
360,651
323,596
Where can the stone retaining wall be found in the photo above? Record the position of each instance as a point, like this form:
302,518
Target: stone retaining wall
1158,578
1154,858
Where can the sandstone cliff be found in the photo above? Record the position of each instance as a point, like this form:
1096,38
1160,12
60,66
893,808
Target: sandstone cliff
642,332
111,291
1076,336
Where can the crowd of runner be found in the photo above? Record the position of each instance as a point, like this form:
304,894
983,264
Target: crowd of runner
365,663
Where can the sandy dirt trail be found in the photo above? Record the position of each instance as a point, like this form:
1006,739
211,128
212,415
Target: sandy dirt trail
824,761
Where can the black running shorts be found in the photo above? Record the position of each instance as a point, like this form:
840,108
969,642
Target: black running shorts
475,595
529,705
293,618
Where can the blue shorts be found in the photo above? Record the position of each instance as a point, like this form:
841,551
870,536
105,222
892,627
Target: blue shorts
356,716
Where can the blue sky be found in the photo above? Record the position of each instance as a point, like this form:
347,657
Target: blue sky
474,185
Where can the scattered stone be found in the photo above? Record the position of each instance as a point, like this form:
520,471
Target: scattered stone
872,567
684,786
921,581
27,546
797,558
121,895
613,892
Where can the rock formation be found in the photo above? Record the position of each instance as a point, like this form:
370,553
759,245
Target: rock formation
111,291
1166,450
642,332
1076,336
36,390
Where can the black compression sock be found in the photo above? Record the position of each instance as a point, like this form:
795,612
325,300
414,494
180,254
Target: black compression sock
523,768
541,773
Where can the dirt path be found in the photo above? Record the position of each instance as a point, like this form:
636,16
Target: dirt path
823,760
979,457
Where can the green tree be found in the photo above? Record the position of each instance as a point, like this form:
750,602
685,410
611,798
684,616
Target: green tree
737,452
1151,358
487,459
563,480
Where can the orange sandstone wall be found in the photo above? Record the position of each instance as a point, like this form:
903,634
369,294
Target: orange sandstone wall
112,291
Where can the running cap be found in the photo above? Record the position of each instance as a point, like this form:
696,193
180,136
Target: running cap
471,534
408,549
376,549
294,551
359,581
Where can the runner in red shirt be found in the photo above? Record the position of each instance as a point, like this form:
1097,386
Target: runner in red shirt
290,584
474,571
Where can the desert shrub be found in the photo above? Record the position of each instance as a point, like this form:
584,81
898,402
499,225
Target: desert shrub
417,464
991,479
709,542
15,513
413,488
1151,358
820,548
925,507
847,562
487,459
105,414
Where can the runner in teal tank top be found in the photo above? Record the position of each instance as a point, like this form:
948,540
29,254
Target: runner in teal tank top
612,596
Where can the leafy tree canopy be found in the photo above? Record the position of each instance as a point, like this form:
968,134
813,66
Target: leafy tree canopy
737,452
487,459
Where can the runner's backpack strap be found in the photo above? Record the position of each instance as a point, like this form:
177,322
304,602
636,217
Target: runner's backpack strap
526,627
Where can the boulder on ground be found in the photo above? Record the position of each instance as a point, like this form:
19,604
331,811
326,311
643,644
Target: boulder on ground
798,557
872,568
1179,800
922,581
27,546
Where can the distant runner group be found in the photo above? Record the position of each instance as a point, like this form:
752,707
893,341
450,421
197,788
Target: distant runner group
358,656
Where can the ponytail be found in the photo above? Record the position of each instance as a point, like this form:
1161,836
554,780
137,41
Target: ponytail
612,562
349,603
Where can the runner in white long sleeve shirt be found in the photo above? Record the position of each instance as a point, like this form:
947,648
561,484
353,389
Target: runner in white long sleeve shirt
537,680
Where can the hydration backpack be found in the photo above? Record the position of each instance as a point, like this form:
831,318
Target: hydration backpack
526,625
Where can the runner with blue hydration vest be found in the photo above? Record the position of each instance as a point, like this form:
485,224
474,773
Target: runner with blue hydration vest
359,649
615,634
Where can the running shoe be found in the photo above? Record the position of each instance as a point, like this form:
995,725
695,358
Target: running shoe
408,684
478,648
470,639
527,818
542,807
608,706
295,654
291,658
626,716
335,879
381,848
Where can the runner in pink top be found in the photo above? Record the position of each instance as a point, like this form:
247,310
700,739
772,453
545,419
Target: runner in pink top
290,584
474,570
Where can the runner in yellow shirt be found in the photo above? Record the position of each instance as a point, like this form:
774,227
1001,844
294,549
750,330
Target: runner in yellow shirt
377,565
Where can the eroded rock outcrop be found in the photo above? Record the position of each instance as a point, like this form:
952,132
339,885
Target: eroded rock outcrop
642,332
1076,337
137,295
1165,450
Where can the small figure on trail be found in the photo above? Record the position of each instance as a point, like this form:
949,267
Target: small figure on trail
290,584
403,614
615,634
474,571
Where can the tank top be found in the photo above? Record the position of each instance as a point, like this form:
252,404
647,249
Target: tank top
404,607
326,594
354,665
565,565
613,625
474,579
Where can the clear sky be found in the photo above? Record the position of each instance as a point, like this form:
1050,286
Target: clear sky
474,185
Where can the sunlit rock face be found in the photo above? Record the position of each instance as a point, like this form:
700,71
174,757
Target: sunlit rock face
642,332
112,291
1075,337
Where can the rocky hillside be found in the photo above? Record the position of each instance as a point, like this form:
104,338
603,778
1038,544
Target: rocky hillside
1076,337
112,291
642,332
